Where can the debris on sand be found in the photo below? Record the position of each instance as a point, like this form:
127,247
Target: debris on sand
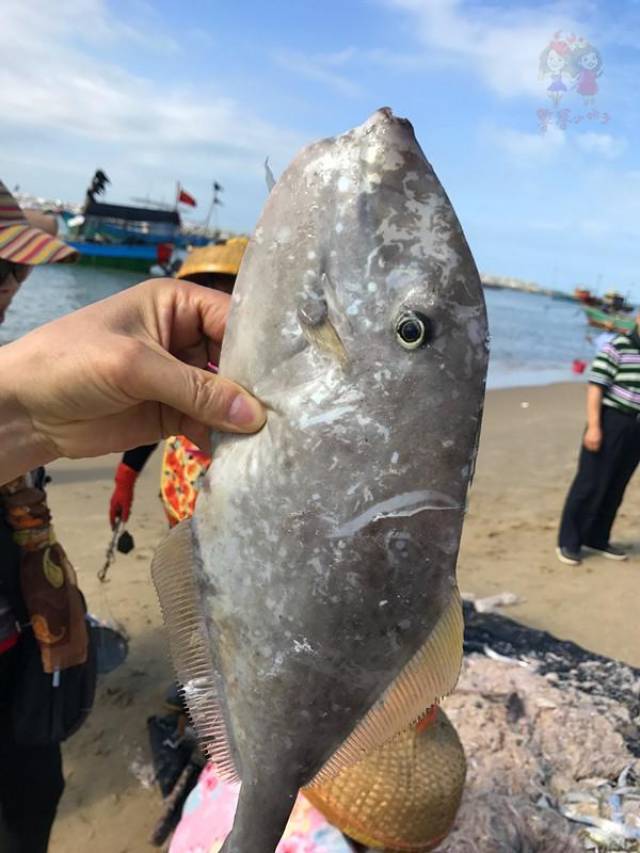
548,767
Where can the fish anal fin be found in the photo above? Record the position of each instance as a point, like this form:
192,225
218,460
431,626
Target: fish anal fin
429,675
174,577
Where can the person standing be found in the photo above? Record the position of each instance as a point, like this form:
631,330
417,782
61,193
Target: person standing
42,624
610,451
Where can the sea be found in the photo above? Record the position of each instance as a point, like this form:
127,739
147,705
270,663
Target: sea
534,339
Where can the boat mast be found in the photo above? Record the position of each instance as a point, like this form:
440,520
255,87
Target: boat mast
215,202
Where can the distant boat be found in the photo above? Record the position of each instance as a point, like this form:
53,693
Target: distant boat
122,236
611,322
612,301
562,296
586,297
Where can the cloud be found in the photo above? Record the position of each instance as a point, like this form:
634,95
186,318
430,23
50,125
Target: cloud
500,43
53,86
603,144
527,149
320,68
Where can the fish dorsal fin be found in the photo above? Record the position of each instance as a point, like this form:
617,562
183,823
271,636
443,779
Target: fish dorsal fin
173,573
430,675
268,175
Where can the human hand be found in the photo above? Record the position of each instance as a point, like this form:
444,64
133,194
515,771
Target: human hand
593,438
122,497
120,373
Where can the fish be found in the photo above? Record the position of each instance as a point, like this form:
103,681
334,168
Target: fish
311,603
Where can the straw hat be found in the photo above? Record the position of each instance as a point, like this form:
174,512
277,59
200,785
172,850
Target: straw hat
22,242
405,795
218,259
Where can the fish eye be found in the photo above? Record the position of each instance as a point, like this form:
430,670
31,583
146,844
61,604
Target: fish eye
412,330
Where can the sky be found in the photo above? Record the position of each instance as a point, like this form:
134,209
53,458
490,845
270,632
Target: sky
204,90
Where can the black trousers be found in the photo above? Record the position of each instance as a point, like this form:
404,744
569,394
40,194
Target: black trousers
597,491
31,781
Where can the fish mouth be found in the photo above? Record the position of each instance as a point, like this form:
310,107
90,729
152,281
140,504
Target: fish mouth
384,117
398,506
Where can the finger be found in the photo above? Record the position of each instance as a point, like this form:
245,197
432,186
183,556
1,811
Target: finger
200,395
198,312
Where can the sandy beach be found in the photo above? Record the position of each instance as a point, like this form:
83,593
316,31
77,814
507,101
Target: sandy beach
527,458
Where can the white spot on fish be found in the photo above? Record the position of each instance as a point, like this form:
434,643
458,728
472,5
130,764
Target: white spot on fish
339,227
383,603
372,287
283,234
370,154
344,184
326,417
311,255
398,506
394,457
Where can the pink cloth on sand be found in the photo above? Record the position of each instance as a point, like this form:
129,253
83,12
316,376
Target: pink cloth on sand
208,813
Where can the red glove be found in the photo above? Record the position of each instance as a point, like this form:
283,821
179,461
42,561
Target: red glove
122,497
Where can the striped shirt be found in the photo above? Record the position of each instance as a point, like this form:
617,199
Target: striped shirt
617,369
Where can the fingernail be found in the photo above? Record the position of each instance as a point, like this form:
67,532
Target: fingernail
245,412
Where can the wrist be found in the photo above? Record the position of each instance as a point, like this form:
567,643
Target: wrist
126,476
22,446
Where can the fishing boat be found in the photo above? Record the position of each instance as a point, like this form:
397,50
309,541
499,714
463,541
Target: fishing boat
563,296
612,301
122,236
586,297
602,319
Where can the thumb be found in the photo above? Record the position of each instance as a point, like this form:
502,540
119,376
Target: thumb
202,396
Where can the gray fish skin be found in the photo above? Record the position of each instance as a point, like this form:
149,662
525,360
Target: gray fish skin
328,542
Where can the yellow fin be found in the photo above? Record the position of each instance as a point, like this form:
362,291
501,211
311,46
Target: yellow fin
430,675
325,338
173,575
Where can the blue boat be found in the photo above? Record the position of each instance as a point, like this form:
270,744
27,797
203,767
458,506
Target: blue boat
122,236
138,258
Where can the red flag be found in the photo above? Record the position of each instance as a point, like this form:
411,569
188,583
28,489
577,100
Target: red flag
185,198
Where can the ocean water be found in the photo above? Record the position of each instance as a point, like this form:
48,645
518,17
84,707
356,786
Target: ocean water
534,339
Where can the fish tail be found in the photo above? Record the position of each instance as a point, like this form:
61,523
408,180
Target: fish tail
261,816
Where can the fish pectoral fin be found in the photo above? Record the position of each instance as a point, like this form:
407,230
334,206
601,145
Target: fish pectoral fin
174,576
430,675
326,338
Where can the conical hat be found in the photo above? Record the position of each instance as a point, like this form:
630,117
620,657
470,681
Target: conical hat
402,797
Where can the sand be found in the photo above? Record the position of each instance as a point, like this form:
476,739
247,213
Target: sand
527,459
